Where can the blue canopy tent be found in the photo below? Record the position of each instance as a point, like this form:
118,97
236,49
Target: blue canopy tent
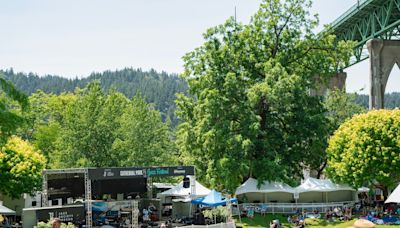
213,199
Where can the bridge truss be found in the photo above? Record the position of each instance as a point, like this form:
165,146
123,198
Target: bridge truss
366,20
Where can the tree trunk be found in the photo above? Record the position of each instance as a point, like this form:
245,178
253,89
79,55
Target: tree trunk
384,189
385,192
321,169
262,112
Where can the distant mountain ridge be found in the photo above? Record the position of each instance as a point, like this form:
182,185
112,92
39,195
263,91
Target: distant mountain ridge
159,88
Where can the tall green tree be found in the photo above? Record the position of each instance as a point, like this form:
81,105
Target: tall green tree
249,113
365,150
104,129
90,127
340,106
10,117
45,119
144,139
20,164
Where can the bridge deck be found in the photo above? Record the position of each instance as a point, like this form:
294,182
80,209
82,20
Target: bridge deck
366,20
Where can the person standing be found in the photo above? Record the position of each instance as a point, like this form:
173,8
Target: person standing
56,223
6,223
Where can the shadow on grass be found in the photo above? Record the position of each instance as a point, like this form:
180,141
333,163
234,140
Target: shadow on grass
324,223
263,221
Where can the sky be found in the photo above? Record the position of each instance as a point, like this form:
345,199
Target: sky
72,38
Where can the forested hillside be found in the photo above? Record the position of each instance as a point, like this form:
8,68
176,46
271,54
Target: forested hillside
392,100
157,88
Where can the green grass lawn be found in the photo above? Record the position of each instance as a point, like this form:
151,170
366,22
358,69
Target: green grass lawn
263,221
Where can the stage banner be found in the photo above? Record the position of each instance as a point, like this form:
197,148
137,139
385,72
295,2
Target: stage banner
170,171
139,172
115,173
72,214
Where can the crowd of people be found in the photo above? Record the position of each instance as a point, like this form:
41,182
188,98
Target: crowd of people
298,219
5,223
341,214
382,215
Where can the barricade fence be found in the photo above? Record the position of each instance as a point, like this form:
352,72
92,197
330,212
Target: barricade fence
290,208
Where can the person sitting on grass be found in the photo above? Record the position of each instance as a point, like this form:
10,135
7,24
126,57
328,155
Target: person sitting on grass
347,214
274,224
301,224
289,219
328,214
302,216
295,219
304,213
250,213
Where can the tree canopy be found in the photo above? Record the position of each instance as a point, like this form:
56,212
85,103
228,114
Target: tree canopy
158,88
250,113
366,150
12,102
339,106
20,168
20,164
144,139
87,128
94,128
90,128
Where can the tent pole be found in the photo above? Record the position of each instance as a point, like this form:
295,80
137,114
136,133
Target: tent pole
240,216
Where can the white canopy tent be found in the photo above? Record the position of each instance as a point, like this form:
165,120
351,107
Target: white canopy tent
5,210
363,189
319,191
267,192
180,198
395,196
179,191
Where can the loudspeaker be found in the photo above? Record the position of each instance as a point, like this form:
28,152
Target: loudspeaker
186,182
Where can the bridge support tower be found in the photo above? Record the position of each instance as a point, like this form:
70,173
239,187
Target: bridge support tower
384,54
337,81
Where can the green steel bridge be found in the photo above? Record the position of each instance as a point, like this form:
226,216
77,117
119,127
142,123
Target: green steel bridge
366,20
